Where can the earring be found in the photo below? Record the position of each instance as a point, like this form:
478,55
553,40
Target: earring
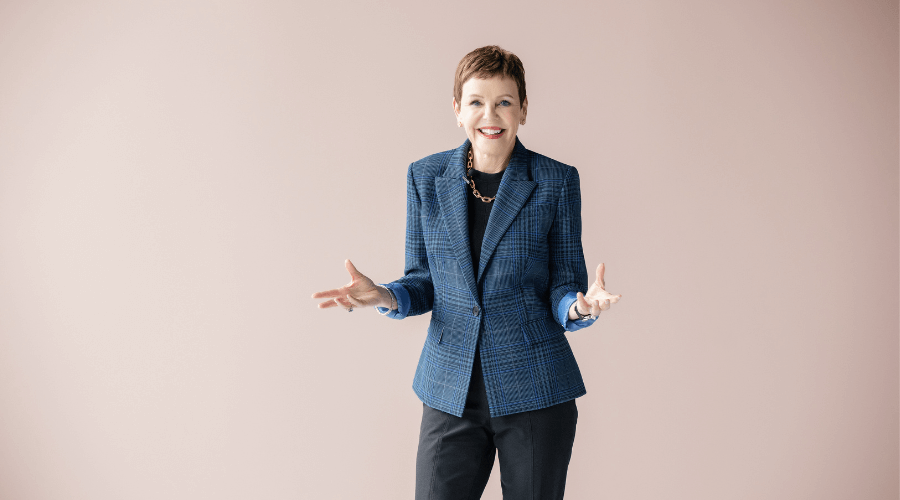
459,124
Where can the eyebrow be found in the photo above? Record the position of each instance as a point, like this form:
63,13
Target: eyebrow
504,95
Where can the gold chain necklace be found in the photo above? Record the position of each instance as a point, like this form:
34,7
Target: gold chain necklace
471,182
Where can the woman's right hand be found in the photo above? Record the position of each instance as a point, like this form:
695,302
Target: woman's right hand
360,292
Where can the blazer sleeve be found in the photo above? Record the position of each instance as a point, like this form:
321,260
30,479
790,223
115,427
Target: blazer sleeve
568,272
415,290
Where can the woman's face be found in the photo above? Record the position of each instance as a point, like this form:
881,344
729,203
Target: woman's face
491,114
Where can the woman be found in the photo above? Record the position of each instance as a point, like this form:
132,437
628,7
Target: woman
493,250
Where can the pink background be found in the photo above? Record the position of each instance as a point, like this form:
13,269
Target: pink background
176,179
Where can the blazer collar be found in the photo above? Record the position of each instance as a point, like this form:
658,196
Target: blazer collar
517,170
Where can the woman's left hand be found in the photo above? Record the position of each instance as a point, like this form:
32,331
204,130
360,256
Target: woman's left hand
596,299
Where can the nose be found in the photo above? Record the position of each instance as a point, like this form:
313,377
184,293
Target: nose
489,110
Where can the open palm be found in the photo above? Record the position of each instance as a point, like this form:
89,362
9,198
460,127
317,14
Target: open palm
596,299
360,292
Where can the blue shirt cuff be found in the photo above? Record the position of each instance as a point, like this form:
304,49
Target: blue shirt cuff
403,302
562,315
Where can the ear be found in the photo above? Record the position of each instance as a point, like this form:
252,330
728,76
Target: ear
525,107
455,107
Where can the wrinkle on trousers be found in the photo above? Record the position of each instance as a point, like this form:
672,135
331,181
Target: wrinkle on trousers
456,454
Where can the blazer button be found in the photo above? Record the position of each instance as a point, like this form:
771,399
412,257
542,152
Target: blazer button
475,310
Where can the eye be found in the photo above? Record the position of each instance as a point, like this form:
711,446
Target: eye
507,102
473,103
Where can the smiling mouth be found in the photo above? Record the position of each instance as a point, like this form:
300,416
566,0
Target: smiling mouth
491,133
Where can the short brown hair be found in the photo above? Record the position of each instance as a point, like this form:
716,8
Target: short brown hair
487,62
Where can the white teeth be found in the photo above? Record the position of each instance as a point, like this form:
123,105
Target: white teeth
490,131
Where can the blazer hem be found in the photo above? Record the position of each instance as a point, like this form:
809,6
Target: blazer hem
506,409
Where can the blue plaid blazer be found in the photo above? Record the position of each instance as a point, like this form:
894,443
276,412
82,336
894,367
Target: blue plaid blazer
531,261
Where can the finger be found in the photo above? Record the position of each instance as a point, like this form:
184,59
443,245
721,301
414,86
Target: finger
610,297
335,292
595,307
604,305
342,301
354,273
583,305
353,301
601,269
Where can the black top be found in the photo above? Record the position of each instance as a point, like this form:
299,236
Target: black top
479,211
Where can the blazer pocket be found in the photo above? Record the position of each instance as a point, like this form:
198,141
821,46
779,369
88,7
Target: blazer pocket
436,330
541,330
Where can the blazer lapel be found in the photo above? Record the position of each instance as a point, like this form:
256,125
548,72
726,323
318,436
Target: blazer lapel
451,193
515,188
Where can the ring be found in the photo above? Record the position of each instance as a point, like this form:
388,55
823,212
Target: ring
350,310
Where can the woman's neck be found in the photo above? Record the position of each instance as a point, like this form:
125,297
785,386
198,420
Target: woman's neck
489,164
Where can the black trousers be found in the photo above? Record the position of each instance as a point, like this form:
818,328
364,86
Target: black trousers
456,454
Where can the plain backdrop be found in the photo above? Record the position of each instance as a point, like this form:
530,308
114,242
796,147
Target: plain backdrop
178,177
